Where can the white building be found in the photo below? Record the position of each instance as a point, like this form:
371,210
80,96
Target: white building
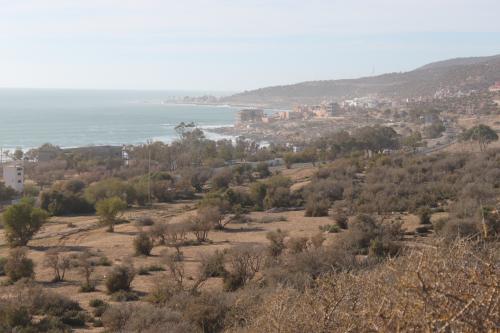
13,176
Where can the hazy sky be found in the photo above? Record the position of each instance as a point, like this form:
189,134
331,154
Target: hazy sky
232,45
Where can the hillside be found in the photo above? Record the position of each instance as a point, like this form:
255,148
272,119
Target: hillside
455,74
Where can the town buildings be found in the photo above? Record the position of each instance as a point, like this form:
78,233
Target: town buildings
13,176
495,87
248,116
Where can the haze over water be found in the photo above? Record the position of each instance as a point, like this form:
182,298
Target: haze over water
72,118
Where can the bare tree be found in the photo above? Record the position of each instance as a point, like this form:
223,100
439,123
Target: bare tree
58,262
200,226
86,268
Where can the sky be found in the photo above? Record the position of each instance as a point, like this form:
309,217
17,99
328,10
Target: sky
232,45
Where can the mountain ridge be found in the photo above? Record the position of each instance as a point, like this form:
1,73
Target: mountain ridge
464,74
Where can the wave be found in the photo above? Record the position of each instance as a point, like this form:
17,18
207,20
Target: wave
215,126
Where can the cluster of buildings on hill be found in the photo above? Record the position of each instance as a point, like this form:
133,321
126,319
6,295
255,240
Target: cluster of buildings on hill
299,112
495,87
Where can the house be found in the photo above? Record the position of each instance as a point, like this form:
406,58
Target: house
13,176
495,87
290,115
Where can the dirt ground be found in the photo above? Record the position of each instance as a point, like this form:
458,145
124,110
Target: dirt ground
76,234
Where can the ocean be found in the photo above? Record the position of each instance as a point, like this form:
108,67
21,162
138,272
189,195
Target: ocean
75,118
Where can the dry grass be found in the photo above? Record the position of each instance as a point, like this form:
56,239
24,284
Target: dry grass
76,234
434,289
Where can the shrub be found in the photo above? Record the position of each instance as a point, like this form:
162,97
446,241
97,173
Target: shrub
316,207
96,302
145,270
98,311
454,229
144,221
297,244
213,265
207,311
143,244
317,240
18,265
424,214
277,242
277,192
124,296
86,267
155,268
53,311
13,316
379,248
199,227
60,202
392,294
439,224
109,210
330,228
58,262
144,318
74,318
103,261
212,215
341,220
163,290
110,188
6,193
262,169
21,221
271,219
87,287
360,233
120,278
222,179
243,263
422,229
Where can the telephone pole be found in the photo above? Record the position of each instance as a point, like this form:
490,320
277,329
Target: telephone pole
149,173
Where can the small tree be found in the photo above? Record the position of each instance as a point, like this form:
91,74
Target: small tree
58,263
213,265
86,268
221,179
482,134
297,244
18,265
176,269
243,263
158,232
316,206
213,215
109,211
200,227
18,154
263,169
21,221
175,236
120,278
143,244
277,239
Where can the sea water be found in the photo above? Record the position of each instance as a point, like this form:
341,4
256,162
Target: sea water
74,118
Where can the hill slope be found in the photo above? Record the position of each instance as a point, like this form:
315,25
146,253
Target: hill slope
454,74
